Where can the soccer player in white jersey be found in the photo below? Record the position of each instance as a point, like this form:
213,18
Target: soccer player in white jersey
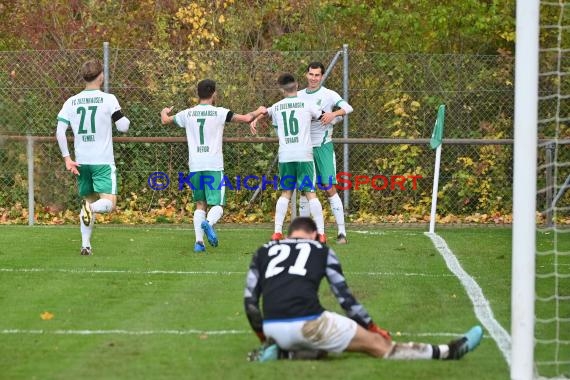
321,137
292,117
204,124
89,114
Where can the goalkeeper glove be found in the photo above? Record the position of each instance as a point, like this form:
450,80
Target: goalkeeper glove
373,327
261,336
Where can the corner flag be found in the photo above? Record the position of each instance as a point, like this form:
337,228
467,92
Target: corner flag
437,135
435,143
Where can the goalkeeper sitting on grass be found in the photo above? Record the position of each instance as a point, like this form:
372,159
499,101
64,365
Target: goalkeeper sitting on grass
287,274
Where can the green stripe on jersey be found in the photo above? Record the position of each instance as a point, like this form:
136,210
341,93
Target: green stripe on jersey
175,122
59,118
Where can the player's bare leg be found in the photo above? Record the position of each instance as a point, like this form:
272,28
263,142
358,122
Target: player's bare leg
317,214
199,217
338,212
377,346
281,208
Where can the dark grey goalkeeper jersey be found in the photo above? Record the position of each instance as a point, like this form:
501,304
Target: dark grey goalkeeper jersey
287,274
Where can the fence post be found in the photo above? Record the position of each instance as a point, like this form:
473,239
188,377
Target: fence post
345,155
106,66
550,186
30,157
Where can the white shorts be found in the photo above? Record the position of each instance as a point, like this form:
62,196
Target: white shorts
329,332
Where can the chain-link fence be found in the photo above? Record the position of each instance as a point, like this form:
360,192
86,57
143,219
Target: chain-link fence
395,97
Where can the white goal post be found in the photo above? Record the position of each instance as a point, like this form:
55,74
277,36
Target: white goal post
524,189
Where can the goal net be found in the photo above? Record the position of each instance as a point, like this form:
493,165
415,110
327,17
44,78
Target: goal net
552,281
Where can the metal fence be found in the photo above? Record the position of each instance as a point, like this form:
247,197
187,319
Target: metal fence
395,97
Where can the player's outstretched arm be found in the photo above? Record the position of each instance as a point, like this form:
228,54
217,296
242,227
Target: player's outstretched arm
249,117
165,117
253,124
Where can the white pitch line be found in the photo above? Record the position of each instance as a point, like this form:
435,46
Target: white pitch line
188,228
178,272
115,271
123,332
180,332
481,305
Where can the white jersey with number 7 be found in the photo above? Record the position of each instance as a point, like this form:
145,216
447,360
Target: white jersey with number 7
292,118
204,126
89,115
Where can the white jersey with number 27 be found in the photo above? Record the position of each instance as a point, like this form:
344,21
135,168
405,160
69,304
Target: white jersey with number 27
89,115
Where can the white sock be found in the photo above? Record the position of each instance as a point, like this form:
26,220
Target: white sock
304,206
86,230
338,212
317,213
410,351
199,217
102,205
280,212
215,214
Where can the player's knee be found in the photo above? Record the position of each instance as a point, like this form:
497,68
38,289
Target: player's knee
287,194
370,343
331,192
310,195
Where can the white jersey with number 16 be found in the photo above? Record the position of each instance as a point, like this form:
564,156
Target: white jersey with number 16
292,118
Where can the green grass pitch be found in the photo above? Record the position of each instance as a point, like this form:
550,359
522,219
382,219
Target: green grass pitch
146,306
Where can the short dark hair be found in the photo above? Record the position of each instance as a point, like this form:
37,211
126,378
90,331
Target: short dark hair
206,88
287,82
285,79
303,223
316,65
91,70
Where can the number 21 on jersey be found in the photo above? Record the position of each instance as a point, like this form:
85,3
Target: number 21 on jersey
281,252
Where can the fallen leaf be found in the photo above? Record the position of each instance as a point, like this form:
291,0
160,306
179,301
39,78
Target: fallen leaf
46,316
